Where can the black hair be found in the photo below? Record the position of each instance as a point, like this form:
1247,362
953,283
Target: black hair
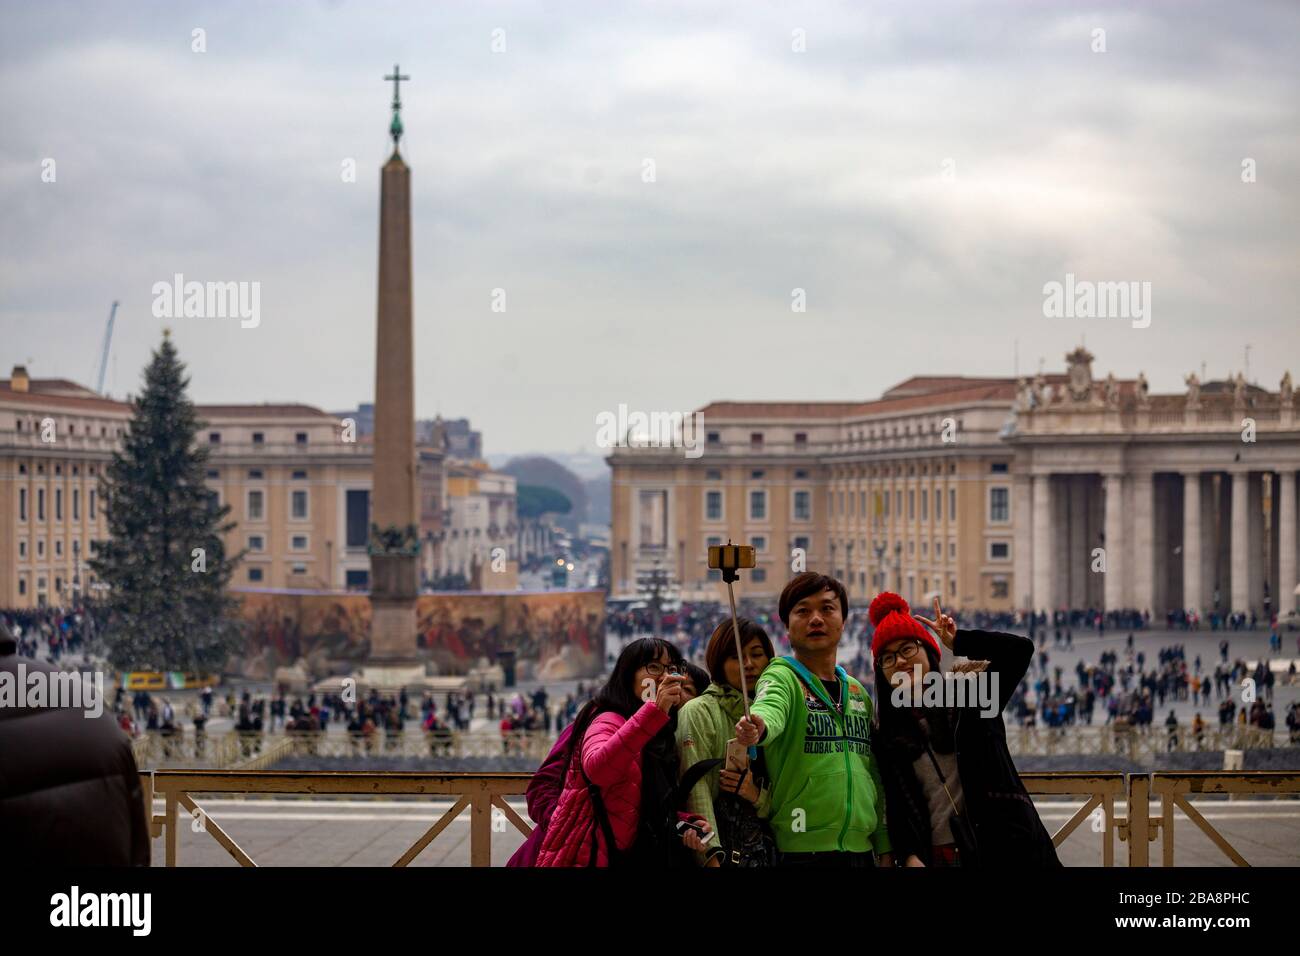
722,646
618,695
899,726
810,582
699,677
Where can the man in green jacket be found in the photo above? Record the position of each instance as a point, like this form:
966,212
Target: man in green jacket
814,722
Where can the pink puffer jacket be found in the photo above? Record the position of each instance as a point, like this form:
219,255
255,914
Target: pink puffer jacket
611,756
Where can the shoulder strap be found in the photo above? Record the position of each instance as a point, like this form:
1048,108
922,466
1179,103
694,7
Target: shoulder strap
602,820
693,775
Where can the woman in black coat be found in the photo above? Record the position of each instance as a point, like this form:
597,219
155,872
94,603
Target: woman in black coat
952,793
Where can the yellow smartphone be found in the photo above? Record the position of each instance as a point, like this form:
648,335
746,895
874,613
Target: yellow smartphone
732,557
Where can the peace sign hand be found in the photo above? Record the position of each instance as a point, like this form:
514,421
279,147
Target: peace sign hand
943,625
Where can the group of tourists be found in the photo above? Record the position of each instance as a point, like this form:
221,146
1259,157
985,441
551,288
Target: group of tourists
770,760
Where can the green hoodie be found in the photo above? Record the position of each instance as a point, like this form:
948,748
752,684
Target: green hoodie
826,789
704,725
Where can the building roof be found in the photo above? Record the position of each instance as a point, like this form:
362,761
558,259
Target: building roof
60,393
265,410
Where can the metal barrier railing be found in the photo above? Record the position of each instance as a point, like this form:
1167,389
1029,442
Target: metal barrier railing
246,749
481,793
1136,743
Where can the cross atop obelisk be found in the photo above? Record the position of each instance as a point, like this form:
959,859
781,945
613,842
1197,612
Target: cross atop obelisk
395,127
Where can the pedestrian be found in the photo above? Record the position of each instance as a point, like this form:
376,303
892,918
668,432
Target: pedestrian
813,722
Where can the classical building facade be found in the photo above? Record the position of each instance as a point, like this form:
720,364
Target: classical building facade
990,493
481,518
298,490
56,439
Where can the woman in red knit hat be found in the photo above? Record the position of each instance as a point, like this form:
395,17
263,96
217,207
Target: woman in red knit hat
952,793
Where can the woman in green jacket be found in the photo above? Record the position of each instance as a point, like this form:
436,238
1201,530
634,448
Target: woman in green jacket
706,723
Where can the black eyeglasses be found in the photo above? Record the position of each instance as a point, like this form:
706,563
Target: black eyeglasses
904,653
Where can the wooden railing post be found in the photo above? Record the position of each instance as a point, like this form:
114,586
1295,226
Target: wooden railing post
171,834
480,827
1139,820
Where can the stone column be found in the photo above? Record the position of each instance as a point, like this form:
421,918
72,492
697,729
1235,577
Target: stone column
1240,600
1192,597
1256,541
1143,543
1022,541
1044,547
1114,542
1285,509
393,568
1079,557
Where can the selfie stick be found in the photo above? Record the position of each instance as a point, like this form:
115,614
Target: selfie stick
730,575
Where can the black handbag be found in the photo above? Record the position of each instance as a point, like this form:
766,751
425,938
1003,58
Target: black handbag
746,839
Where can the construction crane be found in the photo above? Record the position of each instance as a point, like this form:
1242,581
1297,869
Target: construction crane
103,358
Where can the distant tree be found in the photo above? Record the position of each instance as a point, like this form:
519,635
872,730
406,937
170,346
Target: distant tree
534,501
164,561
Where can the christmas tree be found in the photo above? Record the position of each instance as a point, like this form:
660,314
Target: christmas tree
165,562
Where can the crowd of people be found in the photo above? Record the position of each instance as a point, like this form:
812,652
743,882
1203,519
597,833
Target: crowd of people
767,760
52,633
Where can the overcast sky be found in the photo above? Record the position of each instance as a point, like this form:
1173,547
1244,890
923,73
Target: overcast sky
921,170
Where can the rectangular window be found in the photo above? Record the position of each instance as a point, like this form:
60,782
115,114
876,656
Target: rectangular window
58,547
999,505
757,474
802,543
999,550
92,504
999,589
255,506
841,504
756,441
898,503
862,503
300,438
713,541
256,542
759,542
40,504
22,504
214,438
802,506
925,505
758,575
255,575
801,440
713,505
22,586
298,505
758,506
356,580
214,473
302,569
358,520
952,504
255,474
300,475
938,505
22,549
298,542
713,438
998,468
76,504
952,550
653,511
58,504
886,500
40,547
911,504
259,438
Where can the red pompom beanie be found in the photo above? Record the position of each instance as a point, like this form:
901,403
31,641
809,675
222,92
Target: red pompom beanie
893,620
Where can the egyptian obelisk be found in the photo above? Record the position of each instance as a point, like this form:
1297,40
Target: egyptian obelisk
394,533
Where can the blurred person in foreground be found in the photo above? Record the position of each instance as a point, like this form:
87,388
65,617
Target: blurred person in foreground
70,792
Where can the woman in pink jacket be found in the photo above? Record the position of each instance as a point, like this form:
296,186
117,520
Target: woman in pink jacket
621,770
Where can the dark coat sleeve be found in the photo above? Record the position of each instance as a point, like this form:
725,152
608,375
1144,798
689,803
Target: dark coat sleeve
1009,655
